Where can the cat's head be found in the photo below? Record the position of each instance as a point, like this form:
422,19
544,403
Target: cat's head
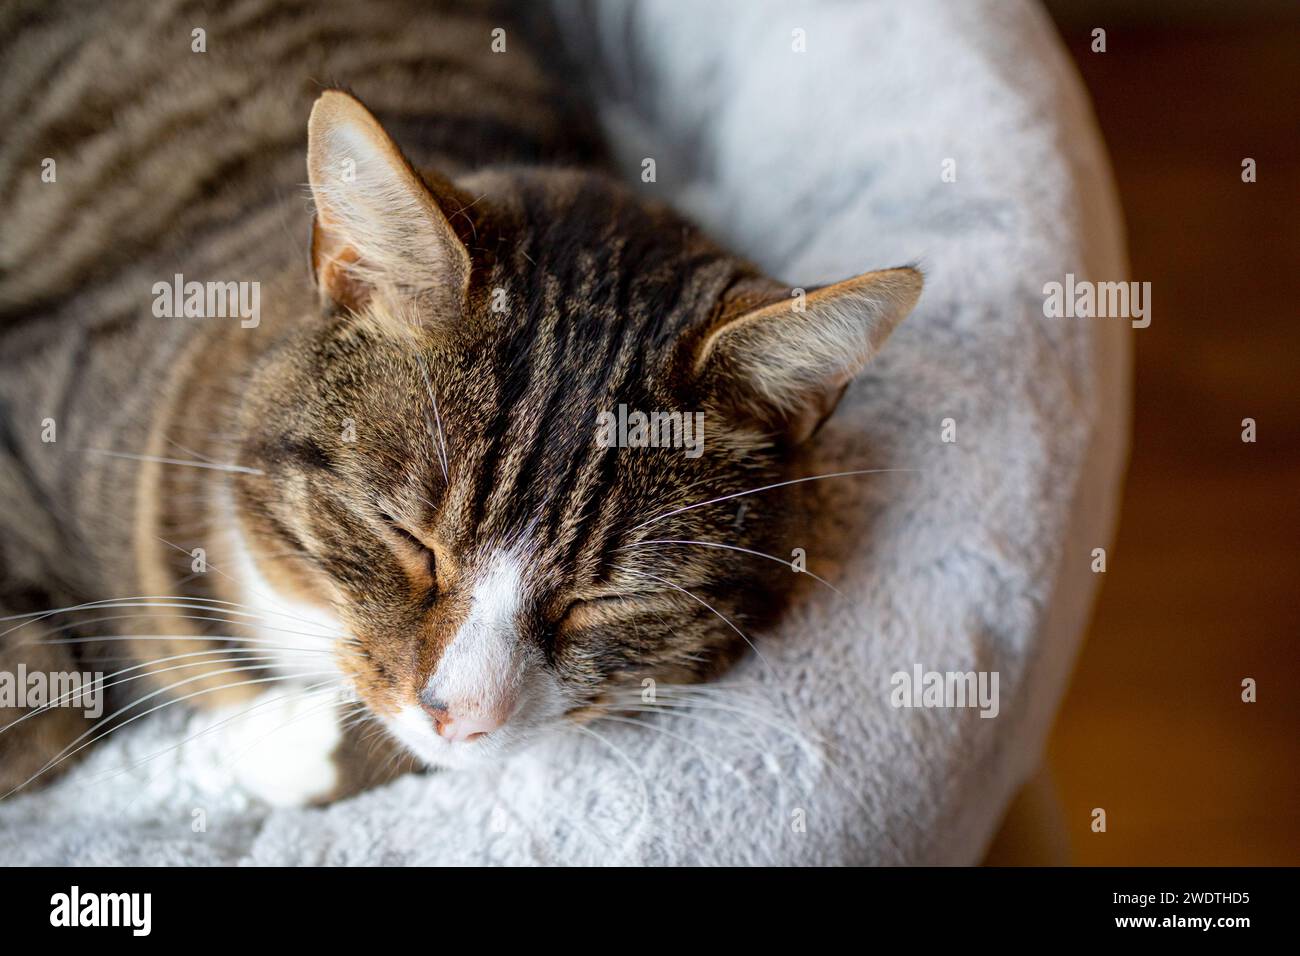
435,450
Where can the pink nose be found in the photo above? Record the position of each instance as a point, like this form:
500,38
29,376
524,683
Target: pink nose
457,725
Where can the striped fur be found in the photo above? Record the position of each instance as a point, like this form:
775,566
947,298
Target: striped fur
388,447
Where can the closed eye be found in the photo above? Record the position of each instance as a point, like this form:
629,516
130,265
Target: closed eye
413,545
585,612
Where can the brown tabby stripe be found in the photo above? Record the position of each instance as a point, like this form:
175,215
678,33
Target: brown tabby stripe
143,128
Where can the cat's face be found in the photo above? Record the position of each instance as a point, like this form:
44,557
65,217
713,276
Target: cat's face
450,459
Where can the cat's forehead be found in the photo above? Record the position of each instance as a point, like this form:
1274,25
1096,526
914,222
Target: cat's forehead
564,242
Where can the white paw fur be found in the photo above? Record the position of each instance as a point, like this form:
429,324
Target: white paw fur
281,746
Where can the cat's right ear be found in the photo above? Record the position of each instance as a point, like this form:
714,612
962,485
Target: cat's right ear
379,230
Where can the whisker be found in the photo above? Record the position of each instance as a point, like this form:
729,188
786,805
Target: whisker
815,754
442,442
726,765
101,686
779,484
675,736
732,547
256,624
65,754
823,754
189,451
631,764
311,690
213,465
176,606
268,597
721,616
156,598
227,638
667,703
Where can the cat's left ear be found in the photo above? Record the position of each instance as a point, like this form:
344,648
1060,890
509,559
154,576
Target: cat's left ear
784,366
379,228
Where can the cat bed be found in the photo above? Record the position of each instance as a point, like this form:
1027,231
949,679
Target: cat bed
821,140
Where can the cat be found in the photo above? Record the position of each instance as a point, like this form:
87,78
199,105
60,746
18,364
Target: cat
390,485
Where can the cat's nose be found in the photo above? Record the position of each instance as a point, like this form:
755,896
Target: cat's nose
461,724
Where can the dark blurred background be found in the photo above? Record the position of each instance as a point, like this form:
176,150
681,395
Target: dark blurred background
1203,581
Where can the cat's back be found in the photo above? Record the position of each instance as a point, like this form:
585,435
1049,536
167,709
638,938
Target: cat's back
138,130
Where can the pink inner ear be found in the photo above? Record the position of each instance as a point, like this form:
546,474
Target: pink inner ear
330,261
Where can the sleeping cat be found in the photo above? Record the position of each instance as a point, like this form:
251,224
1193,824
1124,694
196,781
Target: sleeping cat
390,483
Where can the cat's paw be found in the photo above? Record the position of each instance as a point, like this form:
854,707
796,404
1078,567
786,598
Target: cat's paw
282,749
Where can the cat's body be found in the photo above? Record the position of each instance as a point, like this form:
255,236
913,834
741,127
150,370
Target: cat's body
398,494
171,161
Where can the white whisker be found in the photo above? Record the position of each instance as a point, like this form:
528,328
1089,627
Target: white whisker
732,547
101,686
323,687
721,616
631,764
213,465
178,606
65,753
442,442
779,484
144,600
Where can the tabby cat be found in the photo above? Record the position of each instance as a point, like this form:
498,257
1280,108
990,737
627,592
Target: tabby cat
382,476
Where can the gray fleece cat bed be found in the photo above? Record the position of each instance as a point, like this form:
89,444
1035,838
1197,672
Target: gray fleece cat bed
816,140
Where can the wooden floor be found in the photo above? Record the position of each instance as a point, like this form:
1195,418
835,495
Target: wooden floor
1203,583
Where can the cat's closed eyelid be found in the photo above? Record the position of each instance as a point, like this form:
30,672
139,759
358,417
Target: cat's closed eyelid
413,545
583,612
408,537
